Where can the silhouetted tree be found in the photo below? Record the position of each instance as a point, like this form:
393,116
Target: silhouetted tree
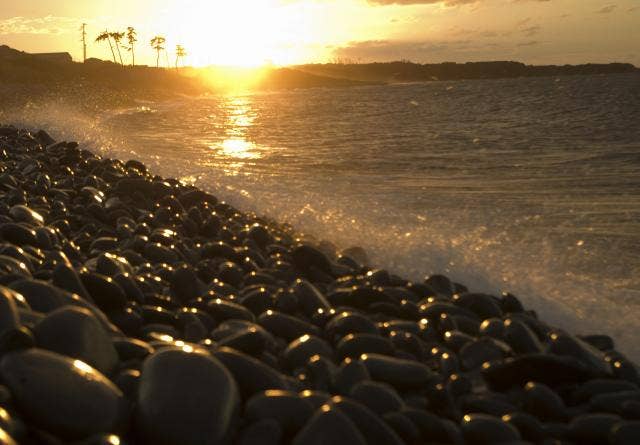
106,35
131,38
117,38
180,54
156,43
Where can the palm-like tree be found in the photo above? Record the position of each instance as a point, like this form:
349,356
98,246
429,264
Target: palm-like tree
117,38
157,43
181,53
131,38
106,35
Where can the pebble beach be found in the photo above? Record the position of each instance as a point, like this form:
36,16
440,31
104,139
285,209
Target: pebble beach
135,309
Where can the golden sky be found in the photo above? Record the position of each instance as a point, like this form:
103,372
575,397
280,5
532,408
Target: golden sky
252,32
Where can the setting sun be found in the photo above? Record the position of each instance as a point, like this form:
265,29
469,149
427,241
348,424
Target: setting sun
240,33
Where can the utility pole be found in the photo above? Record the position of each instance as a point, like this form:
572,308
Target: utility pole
84,43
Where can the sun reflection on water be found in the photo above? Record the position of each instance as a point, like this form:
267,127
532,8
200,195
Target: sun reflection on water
236,148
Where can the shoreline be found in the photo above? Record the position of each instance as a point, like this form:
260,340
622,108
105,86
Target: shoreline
148,293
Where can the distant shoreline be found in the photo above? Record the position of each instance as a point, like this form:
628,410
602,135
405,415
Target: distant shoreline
21,68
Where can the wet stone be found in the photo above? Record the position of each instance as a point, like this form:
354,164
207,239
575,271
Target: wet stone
75,332
289,409
251,374
354,345
62,395
485,429
402,374
592,428
543,402
544,368
373,428
329,426
625,433
185,397
262,432
299,351
378,397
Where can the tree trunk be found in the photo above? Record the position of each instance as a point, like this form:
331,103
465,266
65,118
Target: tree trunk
119,54
158,59
112,52
133,56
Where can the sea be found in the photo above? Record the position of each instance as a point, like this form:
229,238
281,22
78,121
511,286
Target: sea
528,185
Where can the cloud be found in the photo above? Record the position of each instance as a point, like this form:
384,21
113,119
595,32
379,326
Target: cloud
40,25
607,9
429,2
529,43
420,2
531,30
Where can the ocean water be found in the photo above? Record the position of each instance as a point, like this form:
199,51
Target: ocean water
523,185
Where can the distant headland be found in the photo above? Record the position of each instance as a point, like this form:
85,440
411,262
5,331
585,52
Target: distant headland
18,67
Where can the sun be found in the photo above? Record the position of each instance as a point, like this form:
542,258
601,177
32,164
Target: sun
240,32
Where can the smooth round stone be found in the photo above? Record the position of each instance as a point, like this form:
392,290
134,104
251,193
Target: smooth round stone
309,298
289,409
433,428
403,427
222,310
474,354
354,345
258,300
13,266
64,396
102,439
185,398
18,235
520,337
106,293
485,429
111,265
400,373
346,323
13,335
40,295
432,310
285,326
329,426
315,398
262,432
378,397
76,333
65,277
302,349
625,433
568,345
529,427
6,439
185,284
374,430
10,424
592,428
543,402
128,380
250,341
441,285
251,374
549,369
348,375
487,403
492,327
306,257
158,254
601,342
612,402
483,305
